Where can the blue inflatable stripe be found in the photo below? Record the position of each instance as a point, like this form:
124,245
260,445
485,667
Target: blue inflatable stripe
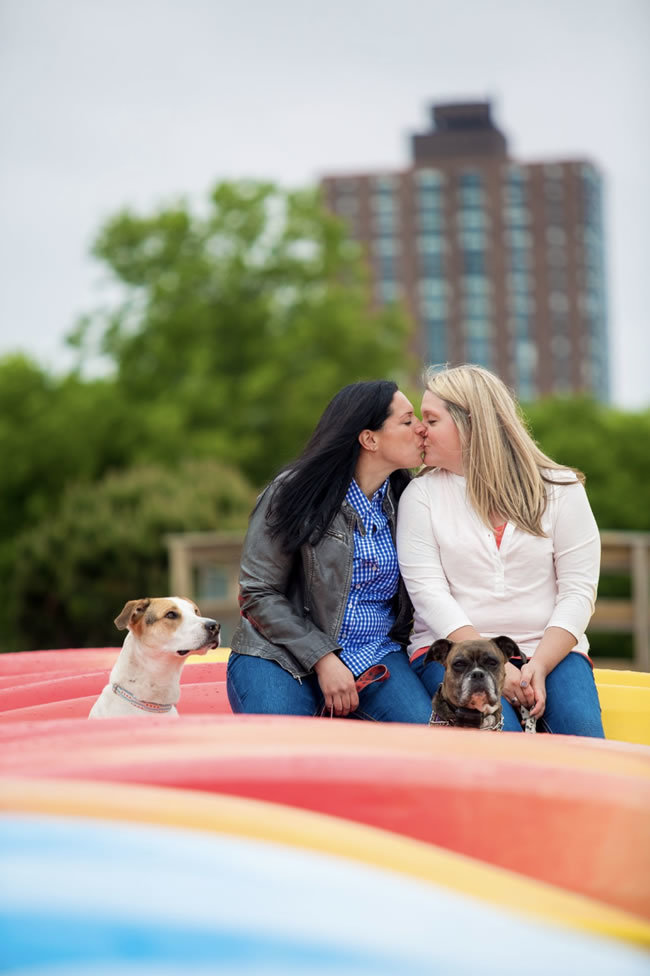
34,940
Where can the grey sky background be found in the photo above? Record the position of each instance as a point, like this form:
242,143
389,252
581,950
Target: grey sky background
137,102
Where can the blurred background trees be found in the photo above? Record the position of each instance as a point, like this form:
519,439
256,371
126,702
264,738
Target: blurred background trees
234,324
238,324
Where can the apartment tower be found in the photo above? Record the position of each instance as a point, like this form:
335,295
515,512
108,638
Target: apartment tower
499,262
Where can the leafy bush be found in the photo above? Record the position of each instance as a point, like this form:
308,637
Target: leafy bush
104,545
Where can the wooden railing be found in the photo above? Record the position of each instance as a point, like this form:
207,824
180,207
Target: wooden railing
205,566
626,554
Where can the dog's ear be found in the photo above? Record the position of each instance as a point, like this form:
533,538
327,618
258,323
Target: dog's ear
508,647
131,611
438,651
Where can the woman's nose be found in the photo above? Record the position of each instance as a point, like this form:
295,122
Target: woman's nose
420,428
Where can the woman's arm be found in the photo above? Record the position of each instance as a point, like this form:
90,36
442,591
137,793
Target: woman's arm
263,582
576,548
421,566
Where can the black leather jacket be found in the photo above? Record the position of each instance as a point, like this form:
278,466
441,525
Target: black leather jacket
292,606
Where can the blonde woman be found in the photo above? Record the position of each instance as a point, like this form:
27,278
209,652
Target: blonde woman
496,538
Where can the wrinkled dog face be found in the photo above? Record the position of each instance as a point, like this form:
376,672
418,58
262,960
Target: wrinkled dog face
171,624
474,670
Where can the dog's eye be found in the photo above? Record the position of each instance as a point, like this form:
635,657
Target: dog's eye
172,614
491,663
458,665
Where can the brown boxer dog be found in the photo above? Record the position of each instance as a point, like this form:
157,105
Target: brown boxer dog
470,693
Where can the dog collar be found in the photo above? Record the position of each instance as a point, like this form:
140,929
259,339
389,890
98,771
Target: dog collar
146,706
471,718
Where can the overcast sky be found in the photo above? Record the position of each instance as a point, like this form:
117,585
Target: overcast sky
113,103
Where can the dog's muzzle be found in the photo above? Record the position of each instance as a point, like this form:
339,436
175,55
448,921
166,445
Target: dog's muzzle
212,633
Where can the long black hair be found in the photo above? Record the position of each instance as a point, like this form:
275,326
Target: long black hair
313,487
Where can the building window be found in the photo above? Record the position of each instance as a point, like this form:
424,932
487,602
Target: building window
429,178
385,267
385,183
386,246
518,238
433,308
430,220
472,220
519,259
385,222
516,216
432,288
431,264
478,341
435,328
388,291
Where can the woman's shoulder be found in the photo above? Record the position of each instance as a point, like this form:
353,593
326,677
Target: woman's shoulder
433,481
558,480
559,476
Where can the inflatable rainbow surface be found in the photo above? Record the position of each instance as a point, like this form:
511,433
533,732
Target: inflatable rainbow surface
228,844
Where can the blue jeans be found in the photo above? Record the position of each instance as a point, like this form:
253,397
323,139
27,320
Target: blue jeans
572,705
260,687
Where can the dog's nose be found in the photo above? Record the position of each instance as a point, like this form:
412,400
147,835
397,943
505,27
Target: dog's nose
212,627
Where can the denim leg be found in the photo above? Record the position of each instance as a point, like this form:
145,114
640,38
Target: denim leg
256,686
572,705
401,698
431,676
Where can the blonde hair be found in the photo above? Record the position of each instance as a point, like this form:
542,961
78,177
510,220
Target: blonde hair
503,466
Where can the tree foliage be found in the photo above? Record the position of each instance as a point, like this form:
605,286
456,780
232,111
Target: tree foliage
239,323
105,545
610,446
54,431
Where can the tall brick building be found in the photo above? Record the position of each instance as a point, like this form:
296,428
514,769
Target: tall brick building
500,262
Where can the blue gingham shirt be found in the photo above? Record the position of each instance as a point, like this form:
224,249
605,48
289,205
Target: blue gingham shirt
368,615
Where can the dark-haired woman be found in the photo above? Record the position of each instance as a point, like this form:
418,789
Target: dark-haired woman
321,597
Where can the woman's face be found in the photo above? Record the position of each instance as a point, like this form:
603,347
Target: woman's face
442,442
401,439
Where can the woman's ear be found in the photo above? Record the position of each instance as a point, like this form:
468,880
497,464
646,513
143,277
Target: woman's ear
368,440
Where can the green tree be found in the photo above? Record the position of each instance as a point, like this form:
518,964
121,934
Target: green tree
104,545
238,322
54,430
609,445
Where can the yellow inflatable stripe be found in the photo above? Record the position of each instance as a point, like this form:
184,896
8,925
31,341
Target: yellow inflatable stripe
210,657
633,679
272,823
626,712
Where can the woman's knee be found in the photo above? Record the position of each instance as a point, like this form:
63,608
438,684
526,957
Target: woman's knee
572,703
256,686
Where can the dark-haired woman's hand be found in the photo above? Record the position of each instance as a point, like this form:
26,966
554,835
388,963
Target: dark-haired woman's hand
337,684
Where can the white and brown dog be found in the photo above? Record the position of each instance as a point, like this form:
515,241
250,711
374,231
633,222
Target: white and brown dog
145,679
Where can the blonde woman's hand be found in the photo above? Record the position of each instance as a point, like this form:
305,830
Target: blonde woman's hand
512,689
533,686
337,684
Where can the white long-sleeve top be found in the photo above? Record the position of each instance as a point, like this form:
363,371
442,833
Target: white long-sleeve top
457,576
